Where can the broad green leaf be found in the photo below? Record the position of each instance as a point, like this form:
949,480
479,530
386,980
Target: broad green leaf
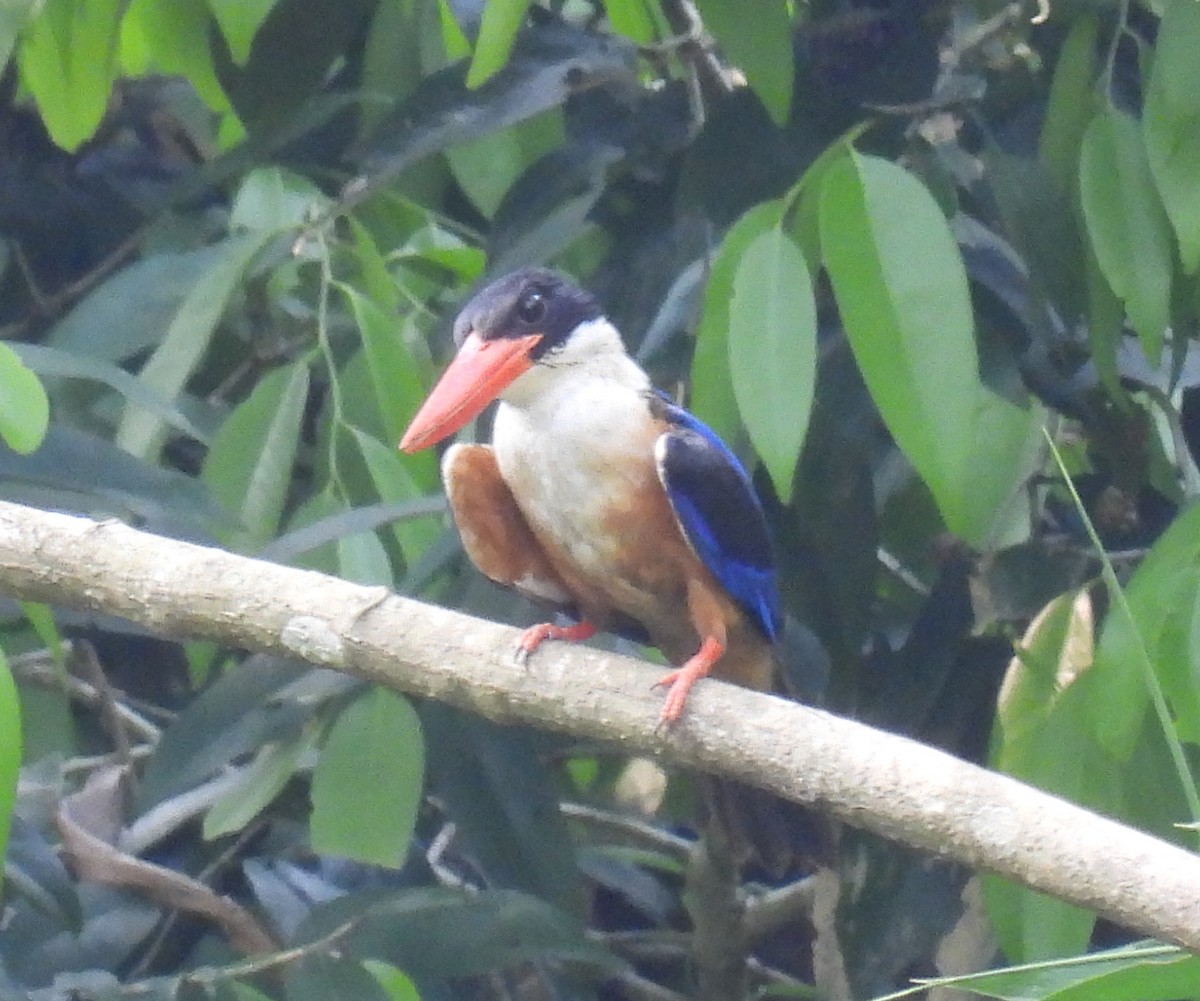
633,18
502,19
176,36
368,782
773,351
1171,124
395,376
1071,104
363,560
10,749
1126,223
239,21
258,784
1120,698
249,467
902,292
712,398
271,199
24,408
393,481
396,983
184,343
1007,450
760,44
486,167
67,59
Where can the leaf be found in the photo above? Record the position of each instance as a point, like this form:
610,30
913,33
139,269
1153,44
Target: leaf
1126,223
272,200
712,396
53,362
13,17
68,61
258,784
633,18
239,20
24,408
1171,124
438,933
235,716
249,467
760,44
10,750
1071,103
773,351
902,292
184,344
390,475
1165,585
502,19
368,782
363,560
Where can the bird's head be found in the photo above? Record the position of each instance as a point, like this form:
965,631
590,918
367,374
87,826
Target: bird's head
516,327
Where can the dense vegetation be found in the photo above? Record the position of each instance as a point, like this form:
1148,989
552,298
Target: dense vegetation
914,261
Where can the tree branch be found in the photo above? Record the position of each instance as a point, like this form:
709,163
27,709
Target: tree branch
884,783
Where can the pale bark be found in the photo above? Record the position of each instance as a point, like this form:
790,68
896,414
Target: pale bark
876,780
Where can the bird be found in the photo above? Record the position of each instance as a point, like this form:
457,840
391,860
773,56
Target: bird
598,496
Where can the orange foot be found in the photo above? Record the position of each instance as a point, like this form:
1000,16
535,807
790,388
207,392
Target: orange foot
679,682
535,636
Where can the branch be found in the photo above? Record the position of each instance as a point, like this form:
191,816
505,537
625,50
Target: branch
887,784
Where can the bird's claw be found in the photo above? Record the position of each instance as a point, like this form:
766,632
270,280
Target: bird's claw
535,636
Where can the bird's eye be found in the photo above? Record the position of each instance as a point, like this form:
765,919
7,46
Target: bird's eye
532,307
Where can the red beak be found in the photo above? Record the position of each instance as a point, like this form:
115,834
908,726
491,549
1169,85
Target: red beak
479,373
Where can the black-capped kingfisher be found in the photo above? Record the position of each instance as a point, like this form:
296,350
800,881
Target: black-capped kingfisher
598,496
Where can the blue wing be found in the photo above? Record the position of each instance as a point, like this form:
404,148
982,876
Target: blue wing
719,513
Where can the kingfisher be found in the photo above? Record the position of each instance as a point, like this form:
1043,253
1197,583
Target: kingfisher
598,496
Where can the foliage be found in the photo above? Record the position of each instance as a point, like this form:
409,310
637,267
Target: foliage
878,246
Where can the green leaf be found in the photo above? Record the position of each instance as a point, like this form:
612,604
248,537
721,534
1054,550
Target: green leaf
394,481
712,398
68,61
1171,124
258,784
271,199
322,976
1071,103
10,749
13,16
1126,223
368,781
183,346
395,983
902,292
633,18
773,351
249,467
177,36
502,19
1163,586
363,560
760,43
24,407
239,21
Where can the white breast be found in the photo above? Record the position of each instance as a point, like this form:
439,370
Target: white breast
569,441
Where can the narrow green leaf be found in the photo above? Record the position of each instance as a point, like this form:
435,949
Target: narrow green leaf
1127,224
902,292
712,398
239,21
258,784
363,560
249,467
13,16
24,407
368,782
760,43
396,983
1071,104
773,351
10,749
1171,124
1163,585
502,19
184,344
